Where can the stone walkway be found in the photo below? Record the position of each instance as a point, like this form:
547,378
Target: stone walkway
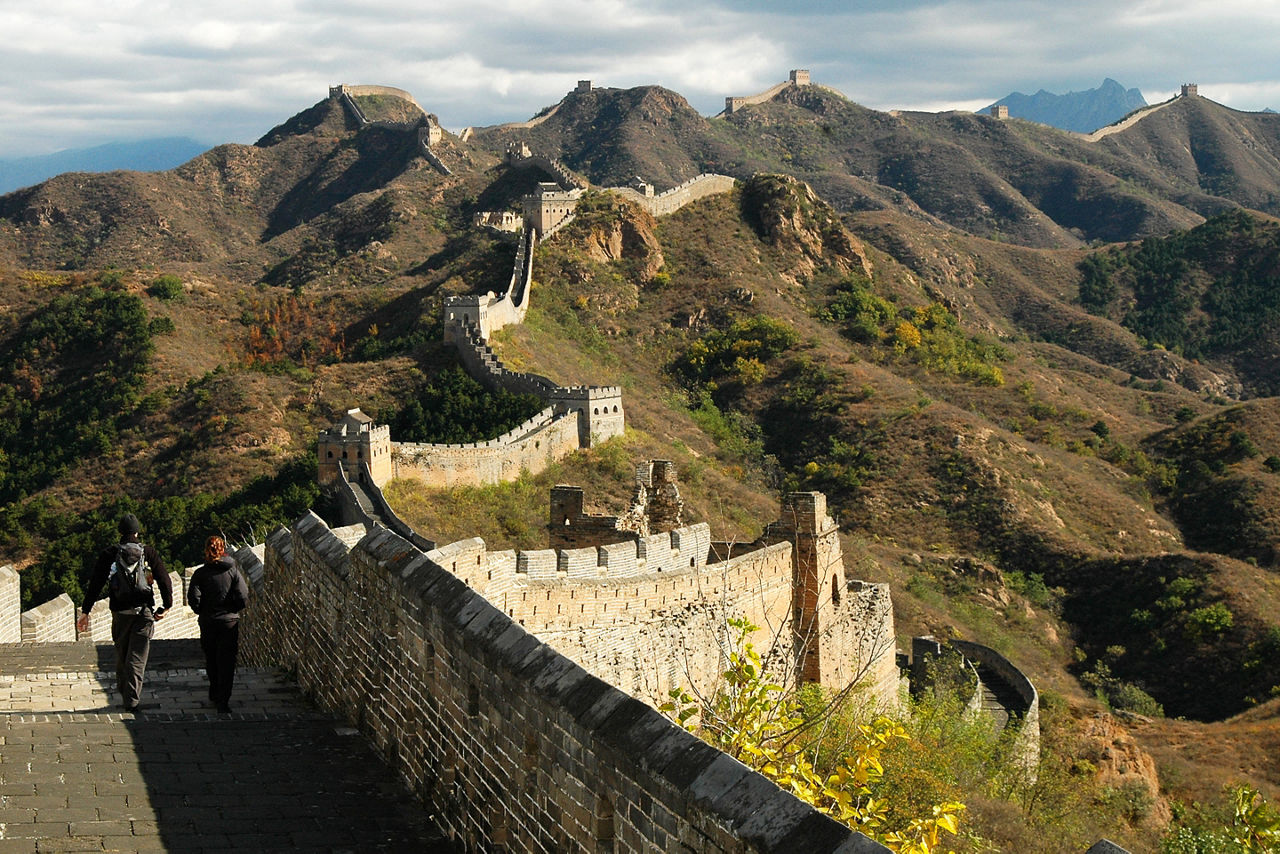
79,774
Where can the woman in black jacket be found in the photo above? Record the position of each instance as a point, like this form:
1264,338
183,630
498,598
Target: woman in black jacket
218,594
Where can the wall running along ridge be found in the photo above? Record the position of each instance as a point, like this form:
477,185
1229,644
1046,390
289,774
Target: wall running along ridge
508,741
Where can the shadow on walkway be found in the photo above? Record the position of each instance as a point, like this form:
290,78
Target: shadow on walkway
77,774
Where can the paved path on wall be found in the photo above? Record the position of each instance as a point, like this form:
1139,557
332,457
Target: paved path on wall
79,774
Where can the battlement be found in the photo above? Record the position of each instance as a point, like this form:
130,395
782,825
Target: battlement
55,621
670,201
503,735
610,591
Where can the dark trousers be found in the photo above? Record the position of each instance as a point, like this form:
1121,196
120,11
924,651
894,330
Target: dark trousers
220,642
131,634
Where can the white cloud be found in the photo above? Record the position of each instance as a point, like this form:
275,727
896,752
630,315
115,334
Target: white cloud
80,72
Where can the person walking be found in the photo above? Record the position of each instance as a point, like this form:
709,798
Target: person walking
218,593
128,570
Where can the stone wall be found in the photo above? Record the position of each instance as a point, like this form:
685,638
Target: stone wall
531,447
1026,746
862,633
510,744
348,95
490,312
363,503
648,614
734,103
55,620
672,200
519,156
660,630
10,605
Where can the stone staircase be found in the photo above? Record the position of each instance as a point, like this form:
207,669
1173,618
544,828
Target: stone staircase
996,698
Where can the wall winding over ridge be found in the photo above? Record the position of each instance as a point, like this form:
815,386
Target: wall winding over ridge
1026,748
699,187
507,740
531,447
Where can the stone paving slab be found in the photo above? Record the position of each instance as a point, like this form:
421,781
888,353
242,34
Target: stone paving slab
79,774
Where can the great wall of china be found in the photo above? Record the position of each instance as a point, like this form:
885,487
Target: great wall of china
515,690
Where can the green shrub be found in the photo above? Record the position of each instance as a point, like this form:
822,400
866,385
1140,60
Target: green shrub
1209,622
167,287
453,408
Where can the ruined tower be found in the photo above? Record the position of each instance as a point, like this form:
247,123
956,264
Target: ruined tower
817,577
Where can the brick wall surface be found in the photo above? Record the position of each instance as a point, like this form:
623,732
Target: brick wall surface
10,605
512,745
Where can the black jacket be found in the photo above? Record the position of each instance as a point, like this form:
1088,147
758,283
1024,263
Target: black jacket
217,591
102,569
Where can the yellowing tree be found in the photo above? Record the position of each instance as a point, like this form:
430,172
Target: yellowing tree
906,336
757,722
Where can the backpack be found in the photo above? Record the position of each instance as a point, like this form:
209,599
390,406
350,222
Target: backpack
127,584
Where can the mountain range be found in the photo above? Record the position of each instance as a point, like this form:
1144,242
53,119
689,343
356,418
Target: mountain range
147,155
1083,112
1033,370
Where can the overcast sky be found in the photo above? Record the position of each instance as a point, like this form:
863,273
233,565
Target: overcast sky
78,73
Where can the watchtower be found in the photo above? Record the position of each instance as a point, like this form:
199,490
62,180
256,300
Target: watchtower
1190,89
817,563
548,206
800,77
351,444
1000,111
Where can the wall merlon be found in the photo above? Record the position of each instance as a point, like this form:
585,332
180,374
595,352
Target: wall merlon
539,564
579,563
620,560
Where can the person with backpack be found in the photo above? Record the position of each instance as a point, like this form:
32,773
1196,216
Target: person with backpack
128,570
218,593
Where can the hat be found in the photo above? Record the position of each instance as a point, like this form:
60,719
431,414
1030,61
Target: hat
129,524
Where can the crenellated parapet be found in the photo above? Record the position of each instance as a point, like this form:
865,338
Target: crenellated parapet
54,621
520,157
670,201
488,313
502,733
647,611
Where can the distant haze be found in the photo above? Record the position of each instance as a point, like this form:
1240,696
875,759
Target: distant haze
1083,112
147,155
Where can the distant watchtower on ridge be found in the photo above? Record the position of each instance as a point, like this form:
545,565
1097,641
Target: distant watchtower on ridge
1190,89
